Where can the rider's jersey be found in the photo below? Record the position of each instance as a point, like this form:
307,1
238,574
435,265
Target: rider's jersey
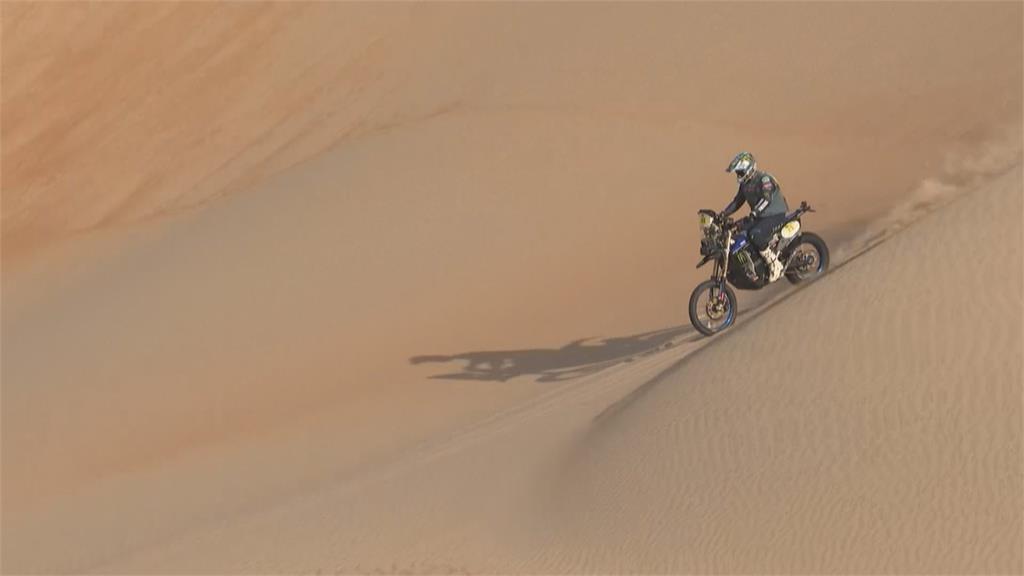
762,193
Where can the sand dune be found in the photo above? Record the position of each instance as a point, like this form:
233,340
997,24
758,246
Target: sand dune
889,442
344,286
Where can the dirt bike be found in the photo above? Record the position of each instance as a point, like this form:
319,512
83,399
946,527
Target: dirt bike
804,256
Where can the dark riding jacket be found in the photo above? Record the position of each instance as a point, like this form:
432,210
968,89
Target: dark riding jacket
762,192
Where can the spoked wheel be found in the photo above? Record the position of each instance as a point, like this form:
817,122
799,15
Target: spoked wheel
712,307
808,260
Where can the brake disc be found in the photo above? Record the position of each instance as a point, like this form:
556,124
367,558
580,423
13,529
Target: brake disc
715,310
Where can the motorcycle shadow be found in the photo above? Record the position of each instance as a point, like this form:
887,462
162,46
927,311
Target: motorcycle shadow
576,359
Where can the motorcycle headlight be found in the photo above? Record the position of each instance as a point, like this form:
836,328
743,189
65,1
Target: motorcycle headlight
705,221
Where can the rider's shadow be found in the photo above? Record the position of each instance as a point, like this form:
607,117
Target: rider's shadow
575,359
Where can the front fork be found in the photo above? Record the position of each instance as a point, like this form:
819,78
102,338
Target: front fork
725,256
721,271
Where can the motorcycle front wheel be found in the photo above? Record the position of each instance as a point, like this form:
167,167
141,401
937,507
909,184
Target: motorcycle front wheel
712,307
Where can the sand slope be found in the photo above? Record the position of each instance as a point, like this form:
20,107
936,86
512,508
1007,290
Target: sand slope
115,114
887,440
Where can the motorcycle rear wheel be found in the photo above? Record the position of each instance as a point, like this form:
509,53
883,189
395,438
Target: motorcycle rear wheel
814,248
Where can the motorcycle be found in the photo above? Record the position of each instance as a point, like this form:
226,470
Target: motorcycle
804,256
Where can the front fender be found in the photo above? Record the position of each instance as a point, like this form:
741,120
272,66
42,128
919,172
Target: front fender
709,258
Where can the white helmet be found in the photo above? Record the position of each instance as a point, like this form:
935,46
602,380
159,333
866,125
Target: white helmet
743,164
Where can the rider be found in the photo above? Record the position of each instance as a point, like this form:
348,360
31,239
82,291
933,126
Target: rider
768,209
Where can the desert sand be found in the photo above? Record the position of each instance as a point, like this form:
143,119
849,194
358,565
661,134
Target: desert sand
378,288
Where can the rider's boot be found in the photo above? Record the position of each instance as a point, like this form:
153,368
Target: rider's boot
774,266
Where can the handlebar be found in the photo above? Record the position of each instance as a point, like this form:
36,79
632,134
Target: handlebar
728,222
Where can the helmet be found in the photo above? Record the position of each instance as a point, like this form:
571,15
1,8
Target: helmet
743,164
